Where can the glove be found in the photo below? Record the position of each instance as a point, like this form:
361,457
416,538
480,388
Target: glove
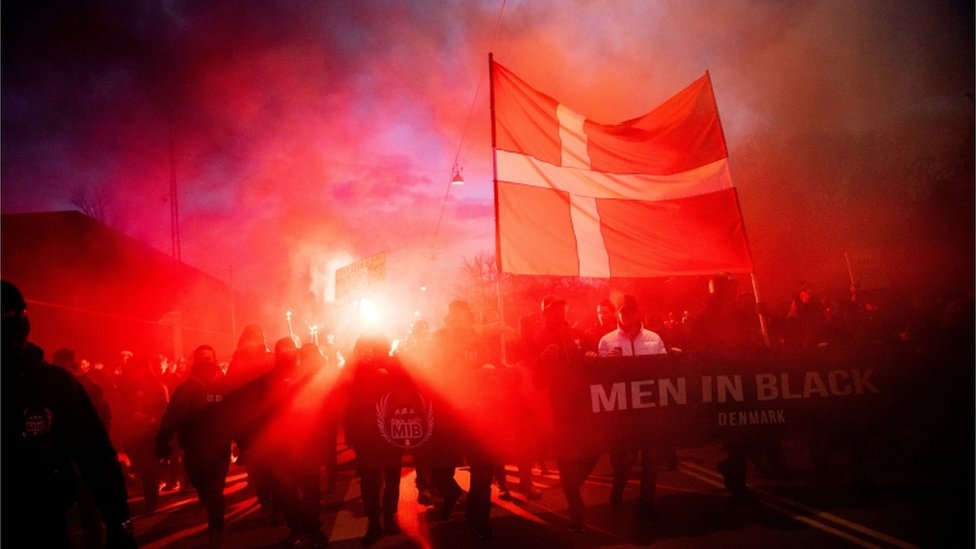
120,536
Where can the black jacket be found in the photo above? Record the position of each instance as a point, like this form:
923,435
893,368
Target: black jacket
50,429
196,413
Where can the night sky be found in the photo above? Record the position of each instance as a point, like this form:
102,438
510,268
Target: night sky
306,135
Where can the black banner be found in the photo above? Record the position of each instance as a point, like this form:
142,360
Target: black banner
687,401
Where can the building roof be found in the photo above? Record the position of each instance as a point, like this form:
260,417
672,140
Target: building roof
67,260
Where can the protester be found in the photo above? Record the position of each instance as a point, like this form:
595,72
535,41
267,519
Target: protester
725,329
410,352
65,358
726,332
322,380
557,346
270,408
516,433
251,360
50,430
461,363
632,339
142,400
172,476
91,523
374,378
196,415
605,322
806,320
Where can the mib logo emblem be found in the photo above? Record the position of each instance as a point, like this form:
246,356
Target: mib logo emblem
405,422
37,422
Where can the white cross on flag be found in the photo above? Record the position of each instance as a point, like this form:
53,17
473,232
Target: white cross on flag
648,197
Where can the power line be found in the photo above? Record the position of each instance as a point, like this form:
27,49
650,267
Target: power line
457,155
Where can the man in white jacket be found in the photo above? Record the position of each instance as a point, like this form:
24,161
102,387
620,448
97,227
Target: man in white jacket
632,339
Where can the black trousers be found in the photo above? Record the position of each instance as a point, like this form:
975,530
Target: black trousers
208,474
478,507
300,494
573,472
381,491
622,461
442,481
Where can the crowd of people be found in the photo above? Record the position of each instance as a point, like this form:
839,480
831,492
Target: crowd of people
472,392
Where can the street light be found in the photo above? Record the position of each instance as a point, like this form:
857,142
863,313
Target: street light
456,179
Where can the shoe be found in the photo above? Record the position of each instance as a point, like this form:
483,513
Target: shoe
442,511
317,538
373,533
482,531
732,477
505,495
293,539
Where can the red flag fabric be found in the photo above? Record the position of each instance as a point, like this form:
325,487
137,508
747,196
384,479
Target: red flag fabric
648,197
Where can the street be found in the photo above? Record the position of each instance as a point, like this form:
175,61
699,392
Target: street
901,509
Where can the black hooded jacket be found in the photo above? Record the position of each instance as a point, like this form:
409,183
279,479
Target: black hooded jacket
50,429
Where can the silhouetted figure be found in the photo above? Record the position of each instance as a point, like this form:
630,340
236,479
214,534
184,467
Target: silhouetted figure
461,363
557,347
50,430
516,433
604,323
196,415
65,358
375,380
726,328
725,331
410,352
805,320
323,380
172,475
140,406
91,522
272,408
251,360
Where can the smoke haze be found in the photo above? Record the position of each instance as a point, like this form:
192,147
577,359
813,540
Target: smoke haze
306,135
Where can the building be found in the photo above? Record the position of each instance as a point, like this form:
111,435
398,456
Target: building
96,290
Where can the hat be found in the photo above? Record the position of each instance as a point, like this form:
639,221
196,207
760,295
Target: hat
627,301
551,300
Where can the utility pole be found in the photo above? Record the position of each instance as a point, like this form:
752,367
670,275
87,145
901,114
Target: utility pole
174,206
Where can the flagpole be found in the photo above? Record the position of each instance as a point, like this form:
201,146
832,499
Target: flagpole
763,328
494,158
494,180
